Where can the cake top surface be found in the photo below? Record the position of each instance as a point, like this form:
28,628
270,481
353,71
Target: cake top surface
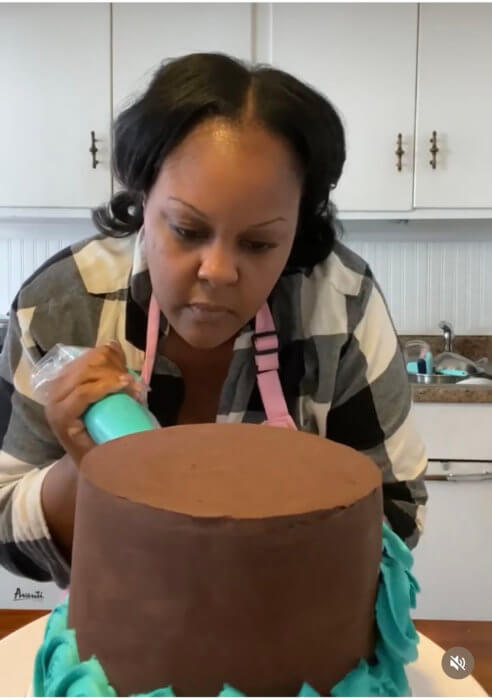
231,470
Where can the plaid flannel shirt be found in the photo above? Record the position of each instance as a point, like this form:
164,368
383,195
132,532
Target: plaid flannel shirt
341,370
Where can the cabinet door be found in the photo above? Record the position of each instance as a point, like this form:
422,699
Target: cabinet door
454,100
453,559
55,84
362,57
145,34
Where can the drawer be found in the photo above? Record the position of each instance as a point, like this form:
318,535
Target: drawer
461,431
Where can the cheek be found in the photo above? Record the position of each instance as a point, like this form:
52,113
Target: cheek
157,261
171,273
154,244
272,267
261,279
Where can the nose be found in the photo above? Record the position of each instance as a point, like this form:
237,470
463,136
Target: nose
218,265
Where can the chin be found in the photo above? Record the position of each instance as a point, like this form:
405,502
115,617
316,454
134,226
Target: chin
203,343
205,339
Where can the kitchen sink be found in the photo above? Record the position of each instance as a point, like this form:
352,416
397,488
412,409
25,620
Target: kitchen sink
434,379
480,381
447,380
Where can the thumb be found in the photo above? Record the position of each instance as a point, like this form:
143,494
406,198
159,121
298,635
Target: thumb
78,441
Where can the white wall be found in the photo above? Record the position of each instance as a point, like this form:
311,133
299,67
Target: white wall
26,244
428,270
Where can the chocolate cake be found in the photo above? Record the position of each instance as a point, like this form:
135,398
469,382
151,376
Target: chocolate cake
225,553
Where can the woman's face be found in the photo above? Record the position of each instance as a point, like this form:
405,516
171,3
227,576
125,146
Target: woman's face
219,226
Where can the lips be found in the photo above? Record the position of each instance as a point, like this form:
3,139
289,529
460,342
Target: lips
212,308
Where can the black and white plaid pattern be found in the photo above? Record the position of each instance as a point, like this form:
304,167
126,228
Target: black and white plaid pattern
341,371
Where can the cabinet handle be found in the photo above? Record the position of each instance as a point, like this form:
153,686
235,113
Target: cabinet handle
434,150
399,152
451,476
93,149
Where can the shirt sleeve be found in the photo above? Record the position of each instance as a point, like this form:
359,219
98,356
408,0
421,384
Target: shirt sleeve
372,410
28,449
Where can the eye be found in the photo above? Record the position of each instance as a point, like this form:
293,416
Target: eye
258,246
187,234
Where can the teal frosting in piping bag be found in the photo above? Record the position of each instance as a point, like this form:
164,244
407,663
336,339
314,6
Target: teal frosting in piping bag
58,671
117,415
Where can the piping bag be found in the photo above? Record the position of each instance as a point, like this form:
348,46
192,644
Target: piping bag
109,418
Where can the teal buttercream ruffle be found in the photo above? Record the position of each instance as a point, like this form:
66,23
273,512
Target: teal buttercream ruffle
397,640
58,671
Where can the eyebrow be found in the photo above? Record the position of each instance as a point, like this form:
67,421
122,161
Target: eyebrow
204,217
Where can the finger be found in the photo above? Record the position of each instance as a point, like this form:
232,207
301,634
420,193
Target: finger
105,362
109,353
70,408
60,389
65,420
135,390
116,348
64,416
77,441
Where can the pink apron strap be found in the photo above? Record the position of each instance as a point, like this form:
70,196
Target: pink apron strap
266,356
151,341
265,343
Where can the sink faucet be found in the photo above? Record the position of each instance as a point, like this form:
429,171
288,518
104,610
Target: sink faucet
447,330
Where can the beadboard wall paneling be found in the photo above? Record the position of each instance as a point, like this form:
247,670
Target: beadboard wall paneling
428,281
18,259
27,244
428,270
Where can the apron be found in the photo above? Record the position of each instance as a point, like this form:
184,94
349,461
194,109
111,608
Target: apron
265,344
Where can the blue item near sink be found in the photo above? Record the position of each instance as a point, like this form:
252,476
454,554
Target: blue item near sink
453,372
421,366
429,363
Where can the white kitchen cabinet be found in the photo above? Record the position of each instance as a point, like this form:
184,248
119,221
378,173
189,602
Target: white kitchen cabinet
455,431
454,100
145,34
389,69
362,57
453,560
55,86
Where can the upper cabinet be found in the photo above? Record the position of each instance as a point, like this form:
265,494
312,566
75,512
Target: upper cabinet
390,69
362,57
146,34
402,76
54,81
454,101
58,63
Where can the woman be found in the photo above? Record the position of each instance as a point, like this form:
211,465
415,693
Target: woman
226,172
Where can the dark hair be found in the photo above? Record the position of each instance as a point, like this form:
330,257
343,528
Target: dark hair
186,91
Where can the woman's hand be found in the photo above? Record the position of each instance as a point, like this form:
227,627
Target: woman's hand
94,375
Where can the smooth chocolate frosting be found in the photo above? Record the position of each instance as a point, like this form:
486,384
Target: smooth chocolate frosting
212,554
